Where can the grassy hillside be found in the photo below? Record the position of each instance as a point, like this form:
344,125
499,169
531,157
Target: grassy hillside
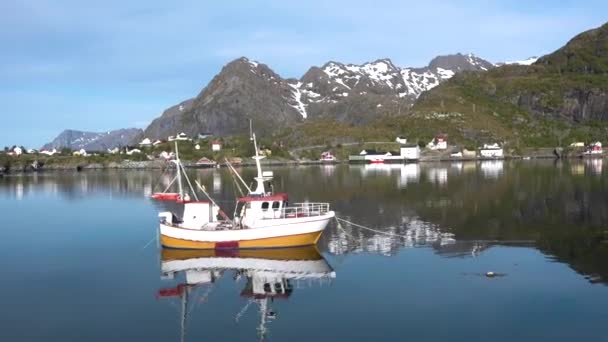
560,99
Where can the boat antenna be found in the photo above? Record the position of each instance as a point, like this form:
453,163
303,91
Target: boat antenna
259,190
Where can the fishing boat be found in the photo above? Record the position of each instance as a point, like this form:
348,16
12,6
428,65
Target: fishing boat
181,196
270,274
262,219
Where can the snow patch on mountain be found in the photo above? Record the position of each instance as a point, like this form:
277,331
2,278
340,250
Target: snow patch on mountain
297,97
527,61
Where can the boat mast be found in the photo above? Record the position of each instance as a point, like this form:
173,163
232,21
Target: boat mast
179,176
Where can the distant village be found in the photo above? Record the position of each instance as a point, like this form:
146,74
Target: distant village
404,151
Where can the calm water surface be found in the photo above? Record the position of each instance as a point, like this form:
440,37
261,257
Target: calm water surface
80,262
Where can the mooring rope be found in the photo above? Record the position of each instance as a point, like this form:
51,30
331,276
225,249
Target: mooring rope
370,229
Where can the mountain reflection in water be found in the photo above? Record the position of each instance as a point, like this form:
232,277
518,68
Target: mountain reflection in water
458,209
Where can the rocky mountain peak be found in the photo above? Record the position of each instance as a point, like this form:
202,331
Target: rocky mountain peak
460,62
354,93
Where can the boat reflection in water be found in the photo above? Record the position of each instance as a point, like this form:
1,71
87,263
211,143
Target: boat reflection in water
269,274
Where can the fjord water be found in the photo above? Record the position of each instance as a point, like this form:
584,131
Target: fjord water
79,260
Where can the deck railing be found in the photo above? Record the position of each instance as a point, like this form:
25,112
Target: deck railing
305,209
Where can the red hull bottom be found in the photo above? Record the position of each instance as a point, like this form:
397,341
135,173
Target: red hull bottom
165,196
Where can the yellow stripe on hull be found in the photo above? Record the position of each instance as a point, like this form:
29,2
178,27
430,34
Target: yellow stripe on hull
274,242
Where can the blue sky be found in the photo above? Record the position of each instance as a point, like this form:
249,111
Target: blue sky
113,64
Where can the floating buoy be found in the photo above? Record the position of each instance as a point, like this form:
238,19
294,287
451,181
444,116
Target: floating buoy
490,274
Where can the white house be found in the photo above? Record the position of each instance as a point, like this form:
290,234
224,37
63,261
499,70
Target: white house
197,147
31,151
157,142
401,140
16,151
82,152
166,155
440,142
410,152
216,145
145,142
181,137
130,152
491,151
115,150
577,144
49,153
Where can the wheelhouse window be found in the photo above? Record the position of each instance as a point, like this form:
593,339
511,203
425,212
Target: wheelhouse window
265,206
276,205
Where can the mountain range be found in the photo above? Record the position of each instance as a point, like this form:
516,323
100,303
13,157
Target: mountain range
93,141
349,93
539,101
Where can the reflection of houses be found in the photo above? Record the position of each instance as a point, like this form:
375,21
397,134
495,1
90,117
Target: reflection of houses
411,233
269,275
491,168
437,174
410,173
594,165
217,182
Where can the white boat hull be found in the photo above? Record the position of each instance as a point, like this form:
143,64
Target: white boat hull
265,233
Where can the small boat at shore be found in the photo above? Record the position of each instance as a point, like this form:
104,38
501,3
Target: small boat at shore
262,219
328,158
205,162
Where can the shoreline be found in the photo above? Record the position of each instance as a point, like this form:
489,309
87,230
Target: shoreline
160,165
